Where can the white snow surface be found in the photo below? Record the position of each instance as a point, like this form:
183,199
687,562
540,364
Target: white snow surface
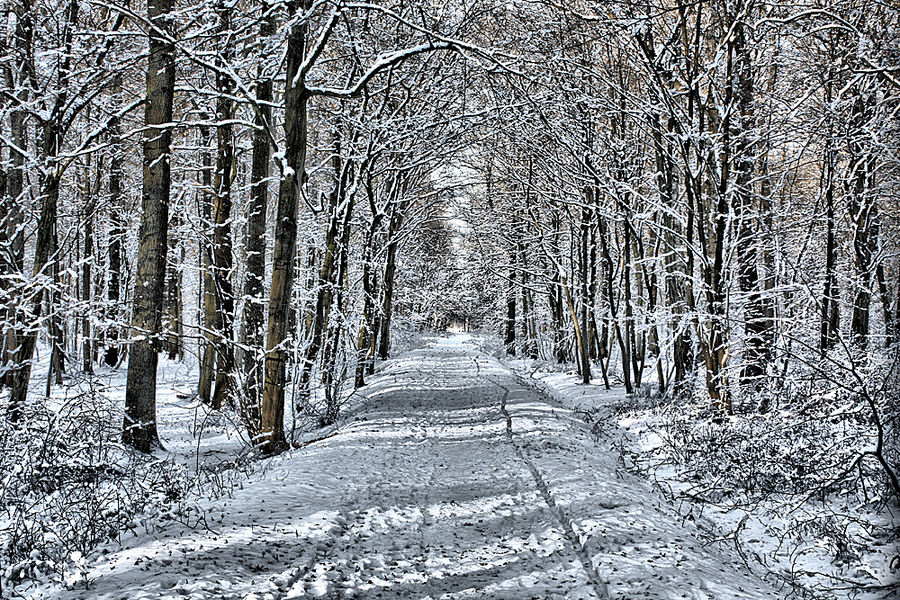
617,421
451,479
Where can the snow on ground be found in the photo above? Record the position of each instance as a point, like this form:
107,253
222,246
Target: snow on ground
451,479
618,422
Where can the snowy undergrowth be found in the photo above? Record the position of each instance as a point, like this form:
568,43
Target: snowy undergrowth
790,489
69,488
70,491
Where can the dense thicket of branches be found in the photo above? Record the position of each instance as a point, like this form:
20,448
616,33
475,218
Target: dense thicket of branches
697,200
701,200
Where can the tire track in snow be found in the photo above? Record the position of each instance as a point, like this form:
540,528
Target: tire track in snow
581,551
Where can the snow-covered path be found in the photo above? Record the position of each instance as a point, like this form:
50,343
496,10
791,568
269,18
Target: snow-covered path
451,480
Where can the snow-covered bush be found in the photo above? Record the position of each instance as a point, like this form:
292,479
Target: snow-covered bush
816,470
66,485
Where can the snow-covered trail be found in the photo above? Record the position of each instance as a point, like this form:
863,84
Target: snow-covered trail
451,480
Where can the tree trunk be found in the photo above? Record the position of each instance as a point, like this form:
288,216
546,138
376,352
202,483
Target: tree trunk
335,327
584,359
223,266
56,329
114,264
87,341
43,254
173,301
139,427
390,268
632,350
885,295
555,296
715,276
624,346
293,176
208,296
756,351
253,330
864,217
587,297
45,246
829,316
325,283
365,347
529,337
15,235
509,338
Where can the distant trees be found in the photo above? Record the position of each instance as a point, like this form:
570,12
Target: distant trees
679,163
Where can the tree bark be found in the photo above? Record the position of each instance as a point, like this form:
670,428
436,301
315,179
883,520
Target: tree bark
715,276
365,347
43,254
114,261
253,329
87,339
829,316
208,295
864,218
293,176
173,325
223,266
509,338
15,235
139,426
390,269
624,346
756,350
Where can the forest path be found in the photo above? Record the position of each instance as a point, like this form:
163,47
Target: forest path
453,479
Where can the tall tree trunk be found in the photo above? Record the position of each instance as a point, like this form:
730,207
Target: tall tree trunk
15,236
624,346
633,351
587,298
43,255
509,338
757,352
325,284
387,287
864,217
365,347
896,310
555,295
529,337
139,426
173,325
885,296
584,359
594,344
87,283
767,308
223,323
208,296
829,318
295,129
45,249
114,260
253,329
335,327
715,277
56,328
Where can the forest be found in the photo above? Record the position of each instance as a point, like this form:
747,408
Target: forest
247,210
